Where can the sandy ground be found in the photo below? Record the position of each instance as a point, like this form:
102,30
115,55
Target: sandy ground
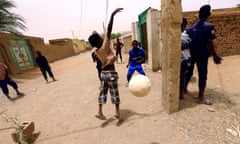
63,111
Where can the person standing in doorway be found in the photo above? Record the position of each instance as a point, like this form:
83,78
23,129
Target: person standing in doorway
6,80
44,66
202,35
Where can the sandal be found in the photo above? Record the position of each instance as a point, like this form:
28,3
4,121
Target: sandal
117,116
205,101
101,117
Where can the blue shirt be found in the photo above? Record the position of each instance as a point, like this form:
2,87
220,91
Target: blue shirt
200,33
136,56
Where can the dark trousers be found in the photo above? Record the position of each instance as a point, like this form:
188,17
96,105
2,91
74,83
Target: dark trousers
202,64
132,69
118,52
183,71
46,70
4,83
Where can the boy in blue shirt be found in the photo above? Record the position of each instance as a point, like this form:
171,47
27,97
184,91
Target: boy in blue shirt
136,59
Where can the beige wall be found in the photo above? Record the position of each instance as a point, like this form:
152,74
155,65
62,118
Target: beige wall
154,49
135,35
127,40
55,50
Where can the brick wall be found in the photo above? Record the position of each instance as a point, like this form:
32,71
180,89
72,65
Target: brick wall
227,25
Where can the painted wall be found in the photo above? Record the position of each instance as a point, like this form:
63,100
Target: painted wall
19,52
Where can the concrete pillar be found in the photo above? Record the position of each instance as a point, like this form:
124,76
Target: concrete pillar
153,24
171,16
135,33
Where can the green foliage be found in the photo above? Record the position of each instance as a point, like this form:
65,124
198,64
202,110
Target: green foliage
10,22
113,35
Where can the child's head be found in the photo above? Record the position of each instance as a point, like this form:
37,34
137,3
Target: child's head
38,52
204,11
135,44
95,40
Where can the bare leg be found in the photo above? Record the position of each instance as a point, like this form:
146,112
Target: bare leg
117,111
100,113
201,97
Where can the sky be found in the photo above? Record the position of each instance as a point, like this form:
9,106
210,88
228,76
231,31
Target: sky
53,19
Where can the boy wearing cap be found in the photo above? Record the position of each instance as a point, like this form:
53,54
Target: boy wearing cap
202,35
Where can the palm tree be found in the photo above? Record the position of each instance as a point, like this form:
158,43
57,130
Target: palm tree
10,22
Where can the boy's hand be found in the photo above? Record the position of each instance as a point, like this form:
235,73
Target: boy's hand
217,59
116,11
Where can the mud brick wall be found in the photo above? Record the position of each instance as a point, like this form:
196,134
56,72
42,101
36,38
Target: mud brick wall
228,34
227,25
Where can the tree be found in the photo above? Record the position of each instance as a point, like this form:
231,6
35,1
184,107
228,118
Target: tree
115,35
10,22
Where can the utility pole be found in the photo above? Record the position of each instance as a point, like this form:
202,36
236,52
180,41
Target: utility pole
73,34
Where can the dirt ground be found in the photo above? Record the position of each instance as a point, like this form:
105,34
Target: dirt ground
63,111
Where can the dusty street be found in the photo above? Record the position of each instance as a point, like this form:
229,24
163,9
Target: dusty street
63,111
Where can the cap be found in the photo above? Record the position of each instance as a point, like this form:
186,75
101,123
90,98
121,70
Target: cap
204,11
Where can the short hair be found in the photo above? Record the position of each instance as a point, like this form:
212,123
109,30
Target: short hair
184,24
135,42
93,39
204,11
38,52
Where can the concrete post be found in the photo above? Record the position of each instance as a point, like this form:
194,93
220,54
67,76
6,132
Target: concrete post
171,17
153,23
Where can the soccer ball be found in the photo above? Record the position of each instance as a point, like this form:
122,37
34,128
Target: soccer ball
139,85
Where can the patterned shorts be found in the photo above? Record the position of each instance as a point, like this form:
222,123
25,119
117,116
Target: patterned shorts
109,82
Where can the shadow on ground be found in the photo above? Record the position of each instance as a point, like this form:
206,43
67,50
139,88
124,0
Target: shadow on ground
33,138
218,97
125,117
125,113
30,74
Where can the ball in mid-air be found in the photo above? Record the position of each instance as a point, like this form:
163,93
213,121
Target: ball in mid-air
139,85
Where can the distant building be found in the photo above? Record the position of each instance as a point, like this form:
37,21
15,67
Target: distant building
18,52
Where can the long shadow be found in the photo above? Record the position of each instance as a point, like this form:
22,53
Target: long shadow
126,114
18,97
7,128
216,96
189,100
223,98
33,138
30,74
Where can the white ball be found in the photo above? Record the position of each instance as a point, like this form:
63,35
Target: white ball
139,85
